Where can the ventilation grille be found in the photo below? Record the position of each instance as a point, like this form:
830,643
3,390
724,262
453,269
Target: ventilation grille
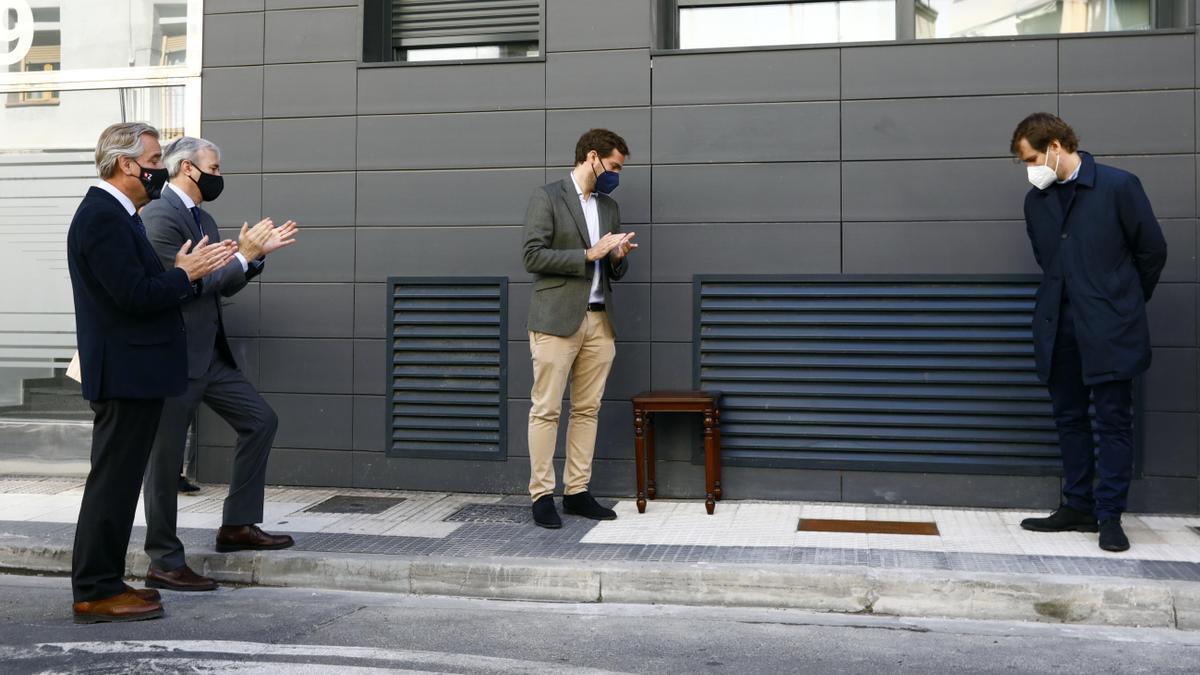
436,23
886,373
448,367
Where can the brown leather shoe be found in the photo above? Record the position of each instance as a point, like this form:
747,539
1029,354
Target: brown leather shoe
148,594
124,607
249,538
181,578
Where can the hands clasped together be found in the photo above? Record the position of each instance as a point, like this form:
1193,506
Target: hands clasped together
615,244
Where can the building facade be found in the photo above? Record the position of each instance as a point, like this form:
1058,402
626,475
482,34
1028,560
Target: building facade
830,225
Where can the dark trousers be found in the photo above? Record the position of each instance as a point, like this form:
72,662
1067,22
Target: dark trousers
224,389
1083,461
122,435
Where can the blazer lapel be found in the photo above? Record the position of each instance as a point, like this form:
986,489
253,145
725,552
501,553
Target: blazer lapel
571,197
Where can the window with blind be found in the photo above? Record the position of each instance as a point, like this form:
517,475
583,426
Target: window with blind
452,30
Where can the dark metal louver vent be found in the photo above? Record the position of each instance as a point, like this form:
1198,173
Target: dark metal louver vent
890,373
448,367
436,23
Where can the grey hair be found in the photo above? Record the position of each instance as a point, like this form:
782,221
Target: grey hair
186,147
123,139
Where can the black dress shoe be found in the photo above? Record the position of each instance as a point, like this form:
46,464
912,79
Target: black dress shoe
1065,519
583,504
544,513
1112,536
186,486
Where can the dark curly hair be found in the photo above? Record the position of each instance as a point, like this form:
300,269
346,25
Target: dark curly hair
1041,128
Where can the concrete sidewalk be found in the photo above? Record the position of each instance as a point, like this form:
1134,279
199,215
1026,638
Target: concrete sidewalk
981,565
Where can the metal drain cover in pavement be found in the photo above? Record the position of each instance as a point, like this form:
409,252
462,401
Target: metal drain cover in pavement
352,504
491,513
868,526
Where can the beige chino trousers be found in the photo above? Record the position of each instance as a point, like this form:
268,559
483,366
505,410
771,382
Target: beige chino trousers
586,359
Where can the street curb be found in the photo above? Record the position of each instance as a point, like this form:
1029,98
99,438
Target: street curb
862,590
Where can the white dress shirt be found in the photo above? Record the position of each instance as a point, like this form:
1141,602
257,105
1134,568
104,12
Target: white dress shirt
592,215
187,201
120,196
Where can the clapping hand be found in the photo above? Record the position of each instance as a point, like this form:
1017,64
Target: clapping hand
624,246
204,259
280,237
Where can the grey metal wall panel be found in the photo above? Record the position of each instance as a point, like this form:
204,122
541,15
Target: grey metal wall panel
956,247
368,413
221,6
240,142
961,69
369,322
670,366
633,197
307,4
310,89
232,93
564,127
438,88
1172,314
311,144
1171,446
908,374
369,376
491,197
303,366
240,313
312,35
598,79
671,312
1127,63
233,40
1170,384
240,202
631,320
747,77
454,141
681,251
307,310
746,193
1169,180
286,466
773,132
935,127
1129,123
573,25
518,310
319,254
1030,492
1164,495
933,190
317,421
1181,250
488,251
311,199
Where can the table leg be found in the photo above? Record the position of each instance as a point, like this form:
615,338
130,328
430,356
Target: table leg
639,456
717,453
651,486
709,457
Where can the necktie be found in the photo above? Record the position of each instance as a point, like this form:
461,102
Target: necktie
137,220
196,217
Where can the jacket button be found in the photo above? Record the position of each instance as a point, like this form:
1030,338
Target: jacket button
1064,235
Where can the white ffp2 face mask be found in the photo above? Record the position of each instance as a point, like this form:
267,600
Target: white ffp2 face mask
1042,176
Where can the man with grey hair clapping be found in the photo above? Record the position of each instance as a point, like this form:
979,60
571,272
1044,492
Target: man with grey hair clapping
213,375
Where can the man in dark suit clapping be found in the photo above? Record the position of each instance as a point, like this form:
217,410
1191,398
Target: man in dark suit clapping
132,353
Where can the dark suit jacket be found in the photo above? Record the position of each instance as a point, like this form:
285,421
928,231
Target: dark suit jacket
1108,251
556,241
168,224
127,322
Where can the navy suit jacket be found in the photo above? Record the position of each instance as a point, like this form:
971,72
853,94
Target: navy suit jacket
127,322
1107,250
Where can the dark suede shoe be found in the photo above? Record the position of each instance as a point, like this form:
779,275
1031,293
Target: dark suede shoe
1065,519
583,504
1112,536
544,513
181,578
186,486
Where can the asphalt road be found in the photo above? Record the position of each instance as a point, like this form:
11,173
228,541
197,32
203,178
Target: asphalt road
272,630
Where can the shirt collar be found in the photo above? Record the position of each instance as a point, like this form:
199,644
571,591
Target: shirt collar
183,196
578,190
1074,174
118,195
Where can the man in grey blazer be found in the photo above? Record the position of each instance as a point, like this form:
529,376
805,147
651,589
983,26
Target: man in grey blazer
574,247
213,374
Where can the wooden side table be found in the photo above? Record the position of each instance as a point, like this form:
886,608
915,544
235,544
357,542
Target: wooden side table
645,405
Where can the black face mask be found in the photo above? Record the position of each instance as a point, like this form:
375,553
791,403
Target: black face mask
153,180
210,185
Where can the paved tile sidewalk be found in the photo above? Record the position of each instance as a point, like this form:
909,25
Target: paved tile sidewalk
35,509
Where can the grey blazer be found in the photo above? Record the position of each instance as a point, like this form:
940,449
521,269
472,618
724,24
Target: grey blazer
556,241
168,224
